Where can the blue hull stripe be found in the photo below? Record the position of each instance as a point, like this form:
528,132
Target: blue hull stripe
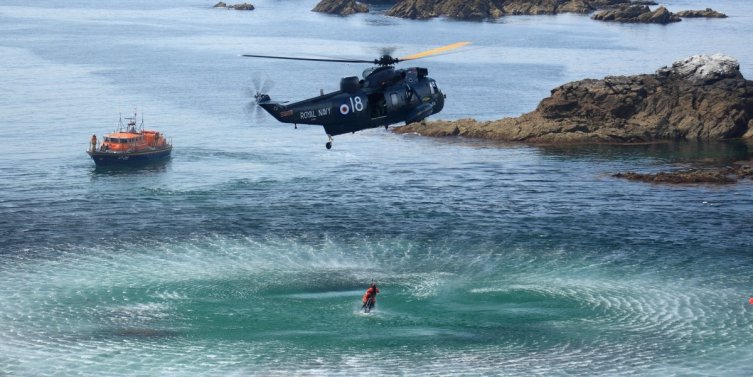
128,159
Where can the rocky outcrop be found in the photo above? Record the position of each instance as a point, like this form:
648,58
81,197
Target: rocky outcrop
637,14
635,11
702,97
243,6
708,13
482,9
703,69
341,7
716,175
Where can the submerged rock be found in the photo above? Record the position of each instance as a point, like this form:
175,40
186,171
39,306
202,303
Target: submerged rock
708,13
637,14
716,175
702,97
341,7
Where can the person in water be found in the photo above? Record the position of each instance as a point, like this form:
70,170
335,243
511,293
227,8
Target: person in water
372,291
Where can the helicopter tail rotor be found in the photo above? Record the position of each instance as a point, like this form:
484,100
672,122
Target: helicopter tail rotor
259,93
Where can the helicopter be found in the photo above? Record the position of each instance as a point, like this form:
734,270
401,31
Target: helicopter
383,96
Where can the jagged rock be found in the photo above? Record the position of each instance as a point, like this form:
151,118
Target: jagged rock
243,6
414,9
703,68
341,7
482,9
637,14
708,13
702,97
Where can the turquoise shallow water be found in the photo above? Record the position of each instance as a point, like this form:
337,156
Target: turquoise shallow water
248,252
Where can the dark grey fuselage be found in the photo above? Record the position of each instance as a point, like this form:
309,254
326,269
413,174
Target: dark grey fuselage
385,96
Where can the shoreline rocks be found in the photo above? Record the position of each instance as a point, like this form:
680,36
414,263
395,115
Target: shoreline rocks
699,98
707,13
637,14
490,9
341,7
635,11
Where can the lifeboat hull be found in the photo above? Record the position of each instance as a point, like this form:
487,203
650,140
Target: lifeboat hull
130,158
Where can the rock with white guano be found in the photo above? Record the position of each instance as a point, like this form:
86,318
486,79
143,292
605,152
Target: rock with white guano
703,68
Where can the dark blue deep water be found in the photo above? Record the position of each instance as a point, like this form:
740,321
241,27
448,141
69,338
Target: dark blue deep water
248,252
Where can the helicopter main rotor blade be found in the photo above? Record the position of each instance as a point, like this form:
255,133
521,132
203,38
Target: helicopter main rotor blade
435,51
310,59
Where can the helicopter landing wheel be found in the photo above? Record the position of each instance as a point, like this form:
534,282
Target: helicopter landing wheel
329,142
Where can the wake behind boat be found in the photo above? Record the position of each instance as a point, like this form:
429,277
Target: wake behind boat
130,145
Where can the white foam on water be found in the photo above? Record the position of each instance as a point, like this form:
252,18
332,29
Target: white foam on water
323,295
81,307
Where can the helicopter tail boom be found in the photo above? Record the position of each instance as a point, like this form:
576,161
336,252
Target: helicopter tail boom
281,112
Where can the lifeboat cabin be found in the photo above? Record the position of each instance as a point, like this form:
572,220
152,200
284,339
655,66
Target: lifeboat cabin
130,145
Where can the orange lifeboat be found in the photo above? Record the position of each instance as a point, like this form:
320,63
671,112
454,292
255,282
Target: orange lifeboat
130,144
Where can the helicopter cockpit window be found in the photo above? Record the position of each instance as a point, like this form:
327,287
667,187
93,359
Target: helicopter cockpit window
368,71
394,99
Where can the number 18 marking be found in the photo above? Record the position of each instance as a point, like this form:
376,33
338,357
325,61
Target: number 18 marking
356,104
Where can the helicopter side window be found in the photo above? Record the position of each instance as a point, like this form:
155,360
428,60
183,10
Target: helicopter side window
394,99
432,87
377,104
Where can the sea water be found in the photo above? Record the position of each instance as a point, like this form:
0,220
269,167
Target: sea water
248,252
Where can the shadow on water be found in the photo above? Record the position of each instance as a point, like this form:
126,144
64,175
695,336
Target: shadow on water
700,152
133,169
697,152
